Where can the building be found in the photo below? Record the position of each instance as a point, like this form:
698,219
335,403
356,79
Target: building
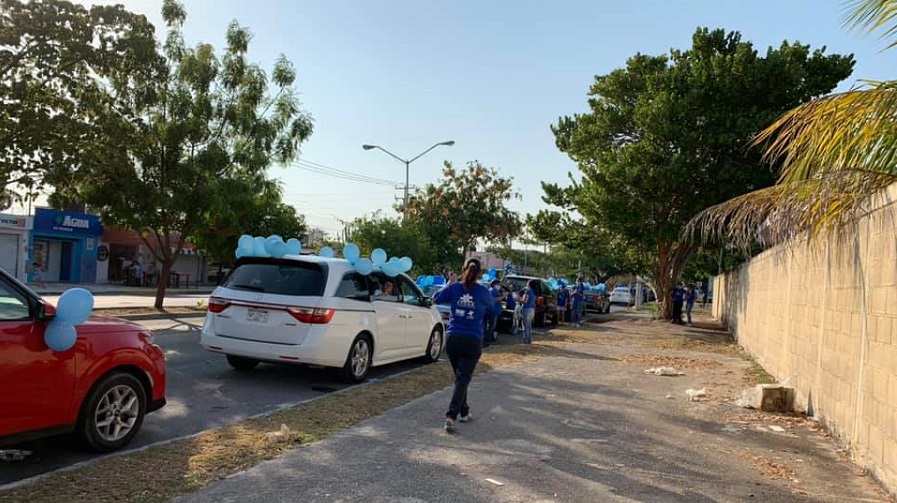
15,231
64,246
121,248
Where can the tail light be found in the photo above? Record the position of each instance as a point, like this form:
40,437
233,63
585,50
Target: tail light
216,304
311,315
540,301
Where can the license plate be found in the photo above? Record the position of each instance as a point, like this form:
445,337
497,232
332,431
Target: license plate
257,315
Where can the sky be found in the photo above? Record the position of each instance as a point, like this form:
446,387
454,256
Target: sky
492,76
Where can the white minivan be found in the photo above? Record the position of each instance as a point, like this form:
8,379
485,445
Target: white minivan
305,309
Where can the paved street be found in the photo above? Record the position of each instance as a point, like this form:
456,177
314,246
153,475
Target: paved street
203,392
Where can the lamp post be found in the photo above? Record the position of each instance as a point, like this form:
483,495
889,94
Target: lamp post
407,163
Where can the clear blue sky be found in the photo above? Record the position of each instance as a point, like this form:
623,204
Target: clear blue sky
493,76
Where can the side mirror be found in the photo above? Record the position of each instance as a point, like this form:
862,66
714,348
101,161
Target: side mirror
426,301
45,312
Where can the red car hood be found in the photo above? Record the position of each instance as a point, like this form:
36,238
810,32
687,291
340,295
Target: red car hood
102,324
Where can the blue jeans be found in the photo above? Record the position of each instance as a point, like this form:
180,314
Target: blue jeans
577,312
688,307
529,314
489,333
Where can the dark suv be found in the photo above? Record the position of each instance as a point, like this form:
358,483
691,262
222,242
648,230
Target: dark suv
546,298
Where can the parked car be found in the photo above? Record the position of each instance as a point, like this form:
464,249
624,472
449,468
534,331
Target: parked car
100,389
319,311
597,302
546,298
622,294
445,311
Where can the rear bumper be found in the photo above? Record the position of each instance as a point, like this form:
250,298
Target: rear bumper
320,347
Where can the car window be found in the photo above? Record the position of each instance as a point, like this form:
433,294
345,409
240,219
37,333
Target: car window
383,288
13,306
353,286
279,278
410,294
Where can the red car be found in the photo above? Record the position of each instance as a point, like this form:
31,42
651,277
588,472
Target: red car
100,389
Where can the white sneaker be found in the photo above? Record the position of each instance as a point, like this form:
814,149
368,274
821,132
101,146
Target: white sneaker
449,425
466,419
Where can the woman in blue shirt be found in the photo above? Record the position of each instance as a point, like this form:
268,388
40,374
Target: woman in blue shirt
469,301
529,312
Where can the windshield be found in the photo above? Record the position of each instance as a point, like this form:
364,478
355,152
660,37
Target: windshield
279,278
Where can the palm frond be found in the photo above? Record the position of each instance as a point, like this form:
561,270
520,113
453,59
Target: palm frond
873,15
852,129
823,206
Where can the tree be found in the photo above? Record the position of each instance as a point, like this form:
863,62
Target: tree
667,136
467,205
833,154
255,206
54,58
178,136
400,238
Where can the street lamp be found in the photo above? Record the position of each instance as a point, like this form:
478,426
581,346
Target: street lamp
407,163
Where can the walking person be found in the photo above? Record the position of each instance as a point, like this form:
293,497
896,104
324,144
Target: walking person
678,299
528,311
563,298
513,305
469,301
691,295
578,296
492,314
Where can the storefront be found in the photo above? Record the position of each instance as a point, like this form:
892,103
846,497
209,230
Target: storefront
14,231
64,246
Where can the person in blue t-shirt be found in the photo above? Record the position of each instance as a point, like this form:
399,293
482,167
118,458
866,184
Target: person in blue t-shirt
494,311
563,298
578,296
528,301
469,302
678,299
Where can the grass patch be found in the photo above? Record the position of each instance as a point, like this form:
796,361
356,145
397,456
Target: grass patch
756,374
163,472
136,311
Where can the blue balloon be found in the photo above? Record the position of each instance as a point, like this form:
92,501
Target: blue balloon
259,249
420,279
278,249
271,242
428,281
351,252
390,269
405,264
364,266
294,247
60,335
326,252
239,252
438,280
74,306
246,244
492,273
378,257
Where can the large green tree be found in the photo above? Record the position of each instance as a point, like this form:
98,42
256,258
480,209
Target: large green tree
179,136
668,136
833,154
56,59
399,237
466,206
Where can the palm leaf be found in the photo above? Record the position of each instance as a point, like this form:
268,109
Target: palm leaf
873,15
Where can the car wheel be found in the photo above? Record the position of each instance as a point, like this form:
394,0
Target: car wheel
358,363
540,320
112,413
242,363
434,346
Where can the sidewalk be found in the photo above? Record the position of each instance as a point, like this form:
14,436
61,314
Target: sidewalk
112,289
583,423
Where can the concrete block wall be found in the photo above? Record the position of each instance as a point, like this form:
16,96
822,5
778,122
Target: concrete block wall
824,315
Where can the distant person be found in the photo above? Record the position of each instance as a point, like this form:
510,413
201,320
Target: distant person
38,271
513,305
469,301
706,288
578,296
678,299
492,315
151,274
563,299
691,295
528,311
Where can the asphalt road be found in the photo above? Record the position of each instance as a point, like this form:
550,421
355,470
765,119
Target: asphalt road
203,392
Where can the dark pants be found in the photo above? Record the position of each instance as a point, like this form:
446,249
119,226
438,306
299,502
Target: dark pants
677,312
489,332
464,352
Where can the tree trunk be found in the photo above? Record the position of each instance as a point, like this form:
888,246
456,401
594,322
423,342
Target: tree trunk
162,284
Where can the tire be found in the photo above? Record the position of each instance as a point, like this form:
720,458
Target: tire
358,361
539,321
242,363
434,345
607,309
112,413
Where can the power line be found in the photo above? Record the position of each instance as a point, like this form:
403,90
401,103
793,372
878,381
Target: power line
322,169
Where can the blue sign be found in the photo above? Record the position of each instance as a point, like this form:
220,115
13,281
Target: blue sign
67,222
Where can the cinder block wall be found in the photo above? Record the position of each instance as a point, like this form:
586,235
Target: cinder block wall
825,316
